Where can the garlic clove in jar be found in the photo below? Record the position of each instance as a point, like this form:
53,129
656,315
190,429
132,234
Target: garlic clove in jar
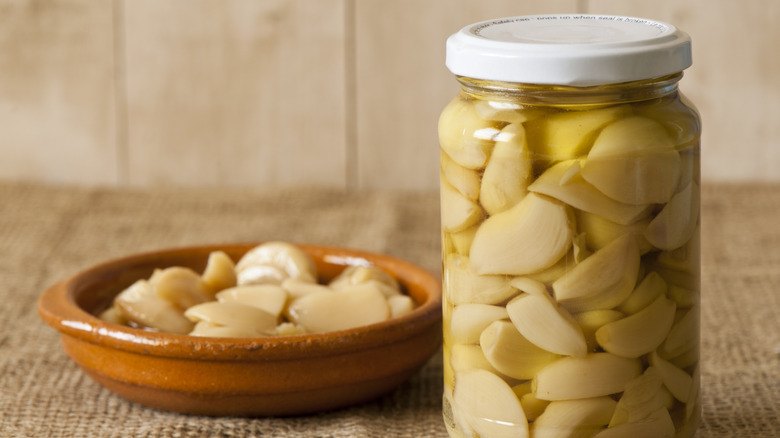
601,281
633,161
596,375
592,320
540,320
570,134
489,405
563,181
510,353
599,231
457,211
675,379
465,136
529,237
508,171
462,285
465,181
650,288
642,396
470,319
676,223
658,424
639,333
580,418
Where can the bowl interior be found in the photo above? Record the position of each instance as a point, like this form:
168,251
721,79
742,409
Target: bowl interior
94,290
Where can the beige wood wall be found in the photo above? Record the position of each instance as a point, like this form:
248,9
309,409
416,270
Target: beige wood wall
340,93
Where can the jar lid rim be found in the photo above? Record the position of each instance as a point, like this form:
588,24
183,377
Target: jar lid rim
568,49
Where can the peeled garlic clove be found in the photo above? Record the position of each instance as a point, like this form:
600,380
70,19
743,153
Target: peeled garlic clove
570,134
465,136
603,280
563,181
466,357
462,285
469,320
268,297
387,291
658,425
139,304
357,274
676,223
272,262
592,320
466,181
677,118
510,353
453,419
633,161
530,286
400,305
675,379
232,314
113,315
546,325
260,274
462,240
220,272
206,329
685,298
641,397
288,329
532,406
181,286
488,404
651,287
299,288
522,388
686,359
596,375
680,266
508,171
639,333
554,272
457,211
529,237
354,306
683,336
599,232
574,418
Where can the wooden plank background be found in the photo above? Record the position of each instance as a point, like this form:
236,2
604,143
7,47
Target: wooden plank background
337,93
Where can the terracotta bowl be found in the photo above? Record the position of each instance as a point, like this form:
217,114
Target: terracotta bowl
271,376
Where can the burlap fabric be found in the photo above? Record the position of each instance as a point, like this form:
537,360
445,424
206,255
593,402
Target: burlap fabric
47,233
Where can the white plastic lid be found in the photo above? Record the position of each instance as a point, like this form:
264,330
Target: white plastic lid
577,50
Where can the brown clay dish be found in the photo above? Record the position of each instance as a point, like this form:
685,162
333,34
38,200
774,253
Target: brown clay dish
272,376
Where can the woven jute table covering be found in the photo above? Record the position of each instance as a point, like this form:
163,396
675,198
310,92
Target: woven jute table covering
48,233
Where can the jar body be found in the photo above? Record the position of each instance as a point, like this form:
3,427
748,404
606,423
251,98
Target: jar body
570,260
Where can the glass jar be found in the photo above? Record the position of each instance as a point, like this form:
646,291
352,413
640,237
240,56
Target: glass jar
570,230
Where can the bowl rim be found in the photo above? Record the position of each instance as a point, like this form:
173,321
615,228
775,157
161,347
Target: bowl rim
57,306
